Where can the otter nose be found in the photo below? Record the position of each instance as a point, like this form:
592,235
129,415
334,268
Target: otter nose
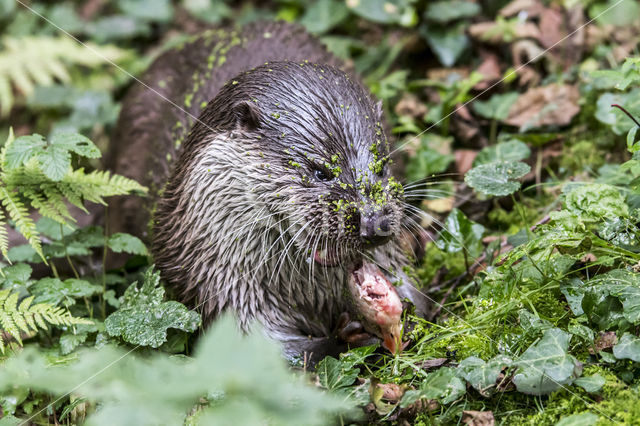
375,227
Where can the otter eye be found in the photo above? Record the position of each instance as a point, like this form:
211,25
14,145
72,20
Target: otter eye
322,175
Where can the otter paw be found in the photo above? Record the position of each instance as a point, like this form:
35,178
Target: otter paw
352,332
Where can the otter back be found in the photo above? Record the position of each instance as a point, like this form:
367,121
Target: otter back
158,112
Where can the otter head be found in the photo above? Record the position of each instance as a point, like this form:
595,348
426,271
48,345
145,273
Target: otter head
320,158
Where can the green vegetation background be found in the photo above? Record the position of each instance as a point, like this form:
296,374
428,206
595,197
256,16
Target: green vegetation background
526,183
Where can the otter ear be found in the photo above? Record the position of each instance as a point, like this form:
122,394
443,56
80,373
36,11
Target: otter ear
246,116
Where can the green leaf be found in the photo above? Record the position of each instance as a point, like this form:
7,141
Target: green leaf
432,156
591,384
126,243
334,374
459,233
480,374
23,148
74,142
546,366
497,178
512,150
143,318
496,108
443,385
147,10
54,291
628,347
596,201
385,11
582,419
447,11
244,379
448,43
323,15
618,12
212,11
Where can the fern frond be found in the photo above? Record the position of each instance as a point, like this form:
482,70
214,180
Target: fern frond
29,61
28,318
4,237
20,215
98,184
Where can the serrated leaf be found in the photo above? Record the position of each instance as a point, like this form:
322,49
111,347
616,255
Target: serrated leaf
54,291
497,178
143,318
596,201
23,148
126,243
74,142
334,374
546,366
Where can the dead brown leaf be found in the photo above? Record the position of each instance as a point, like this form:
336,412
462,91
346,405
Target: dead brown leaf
531,7
464,160
411,105
478,418
552,105
605,340
432,363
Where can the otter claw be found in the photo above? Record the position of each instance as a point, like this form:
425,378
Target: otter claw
352,331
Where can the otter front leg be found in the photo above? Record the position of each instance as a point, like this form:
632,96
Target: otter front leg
313,349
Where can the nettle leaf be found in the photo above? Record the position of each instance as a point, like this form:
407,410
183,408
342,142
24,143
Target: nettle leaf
460,233
334,374
54,291
591,384
54,157
480,374
122,242
143,318
443,385
628,347
595,201
497,178
496,108
546,366
512,150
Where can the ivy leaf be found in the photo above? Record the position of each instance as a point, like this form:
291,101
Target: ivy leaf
582,419
459,233
143,318
497,178
122,242
512,150
591,384
443,385
546,366
480,374
628,348
334,374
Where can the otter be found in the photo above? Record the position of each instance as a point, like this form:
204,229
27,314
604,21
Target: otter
268,168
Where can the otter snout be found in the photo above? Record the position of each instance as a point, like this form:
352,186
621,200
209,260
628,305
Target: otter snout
375,226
